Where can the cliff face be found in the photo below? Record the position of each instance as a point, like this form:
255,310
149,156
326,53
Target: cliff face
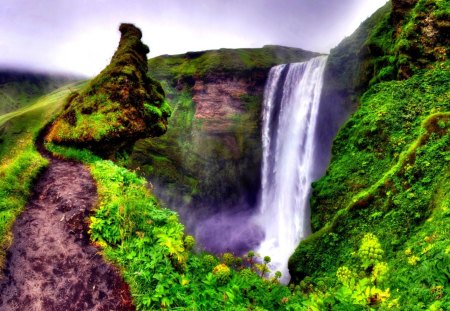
347,75
119,106
388,169
210,158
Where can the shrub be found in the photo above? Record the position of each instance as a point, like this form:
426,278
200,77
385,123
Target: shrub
189,242
223,273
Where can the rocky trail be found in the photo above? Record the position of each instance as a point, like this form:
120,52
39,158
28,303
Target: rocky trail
51,265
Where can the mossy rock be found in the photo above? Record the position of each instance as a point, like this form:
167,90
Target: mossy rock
119,106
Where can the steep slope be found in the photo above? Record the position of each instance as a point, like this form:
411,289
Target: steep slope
389,172
119,106
210,158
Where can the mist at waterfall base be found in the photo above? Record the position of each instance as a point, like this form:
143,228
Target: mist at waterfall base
297,133
222,227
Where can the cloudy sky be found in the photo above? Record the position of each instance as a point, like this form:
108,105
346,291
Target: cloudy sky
80,36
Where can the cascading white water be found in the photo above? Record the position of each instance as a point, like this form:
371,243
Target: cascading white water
291,102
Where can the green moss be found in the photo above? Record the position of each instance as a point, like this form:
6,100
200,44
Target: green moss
388,162
415,42
121,104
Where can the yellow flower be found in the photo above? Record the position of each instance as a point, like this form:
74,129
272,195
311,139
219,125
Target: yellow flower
413,260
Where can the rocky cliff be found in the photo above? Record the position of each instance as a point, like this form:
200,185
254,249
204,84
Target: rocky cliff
210,158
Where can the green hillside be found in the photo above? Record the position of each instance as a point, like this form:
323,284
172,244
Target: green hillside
389,174
21,88
233,61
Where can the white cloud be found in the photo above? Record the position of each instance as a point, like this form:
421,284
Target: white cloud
81,36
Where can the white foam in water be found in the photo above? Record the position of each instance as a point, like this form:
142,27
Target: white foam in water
291,102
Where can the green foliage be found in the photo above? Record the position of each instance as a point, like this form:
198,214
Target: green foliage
358,288
209,261
235,61
370,251
399,48
228,259
189,242
223,273
344,275
388,176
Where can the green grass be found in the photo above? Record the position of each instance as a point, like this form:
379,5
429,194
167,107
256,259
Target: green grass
235,61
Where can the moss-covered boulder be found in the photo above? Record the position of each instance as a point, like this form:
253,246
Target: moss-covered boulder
119,106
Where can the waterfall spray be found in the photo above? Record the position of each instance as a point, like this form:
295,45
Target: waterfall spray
291,103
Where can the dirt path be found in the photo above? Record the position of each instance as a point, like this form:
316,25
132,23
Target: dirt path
51,265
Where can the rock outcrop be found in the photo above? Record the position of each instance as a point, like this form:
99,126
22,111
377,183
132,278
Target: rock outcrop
119,106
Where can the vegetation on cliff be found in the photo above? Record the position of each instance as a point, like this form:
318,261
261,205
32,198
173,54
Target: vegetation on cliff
388,175
118,106
211,154
231,61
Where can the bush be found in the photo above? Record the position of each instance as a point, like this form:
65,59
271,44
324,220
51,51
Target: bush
223,273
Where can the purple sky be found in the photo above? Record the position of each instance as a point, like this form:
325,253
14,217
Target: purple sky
80,36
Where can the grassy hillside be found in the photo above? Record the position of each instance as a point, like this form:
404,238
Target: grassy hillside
387,178
20,88
233,61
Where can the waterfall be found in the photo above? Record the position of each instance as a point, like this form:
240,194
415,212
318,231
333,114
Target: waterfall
291,102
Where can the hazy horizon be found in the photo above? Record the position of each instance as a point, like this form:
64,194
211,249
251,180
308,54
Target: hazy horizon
80,36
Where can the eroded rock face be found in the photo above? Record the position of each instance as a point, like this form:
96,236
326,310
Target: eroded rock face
119,106
218,99
217,102
400,8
